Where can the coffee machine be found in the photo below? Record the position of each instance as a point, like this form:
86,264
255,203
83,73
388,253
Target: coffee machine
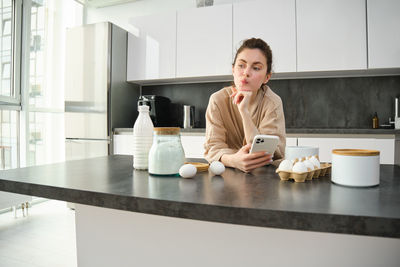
159,109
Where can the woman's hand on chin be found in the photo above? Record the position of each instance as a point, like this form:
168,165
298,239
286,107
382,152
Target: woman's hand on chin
247,162
241,98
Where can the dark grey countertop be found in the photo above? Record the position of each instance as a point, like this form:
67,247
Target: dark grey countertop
256,199
298,131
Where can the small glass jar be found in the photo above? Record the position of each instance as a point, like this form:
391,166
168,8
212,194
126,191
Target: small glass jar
166,155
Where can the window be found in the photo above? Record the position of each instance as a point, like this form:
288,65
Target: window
32,42
6,47
8,139
9,96
45,118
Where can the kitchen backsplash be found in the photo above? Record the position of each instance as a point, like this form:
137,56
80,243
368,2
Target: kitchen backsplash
308,103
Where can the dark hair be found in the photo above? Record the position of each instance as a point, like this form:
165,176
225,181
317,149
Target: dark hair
260,44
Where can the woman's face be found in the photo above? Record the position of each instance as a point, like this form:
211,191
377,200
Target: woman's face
250,70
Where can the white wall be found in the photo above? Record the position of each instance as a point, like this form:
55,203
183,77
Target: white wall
120,14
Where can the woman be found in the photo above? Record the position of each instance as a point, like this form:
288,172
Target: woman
237,113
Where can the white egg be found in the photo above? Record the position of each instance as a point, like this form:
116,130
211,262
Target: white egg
286,165
309,165
187,171
217,168
315,161
299,167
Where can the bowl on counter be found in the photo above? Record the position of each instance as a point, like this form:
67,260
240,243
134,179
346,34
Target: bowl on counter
295,152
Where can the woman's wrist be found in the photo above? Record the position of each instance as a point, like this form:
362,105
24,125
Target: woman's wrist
250,130
245,114
226,159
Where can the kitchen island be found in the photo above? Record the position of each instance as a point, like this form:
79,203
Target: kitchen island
126,217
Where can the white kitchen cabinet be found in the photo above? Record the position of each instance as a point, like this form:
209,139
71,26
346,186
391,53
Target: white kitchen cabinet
274,22
204,41
331,35
123,144
139,235
387,149
83,149
152,48
383,33
291,141
326,145
193,145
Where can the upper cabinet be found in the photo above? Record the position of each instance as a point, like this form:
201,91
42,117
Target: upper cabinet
204,41
274,22
307,37
331,35
383,33
152,48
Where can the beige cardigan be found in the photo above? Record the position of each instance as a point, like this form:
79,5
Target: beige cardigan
224,127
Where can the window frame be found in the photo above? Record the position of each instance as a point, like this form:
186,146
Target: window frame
14,100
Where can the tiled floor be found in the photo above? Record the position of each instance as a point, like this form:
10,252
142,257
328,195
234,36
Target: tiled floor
44,238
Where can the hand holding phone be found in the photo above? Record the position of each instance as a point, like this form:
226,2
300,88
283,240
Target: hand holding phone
262,142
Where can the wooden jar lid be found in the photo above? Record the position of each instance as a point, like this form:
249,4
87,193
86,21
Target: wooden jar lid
356,152
201,167
167,130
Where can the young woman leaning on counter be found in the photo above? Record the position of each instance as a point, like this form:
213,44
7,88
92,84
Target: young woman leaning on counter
237,113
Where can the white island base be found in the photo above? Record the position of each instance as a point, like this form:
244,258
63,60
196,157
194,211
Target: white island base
109,237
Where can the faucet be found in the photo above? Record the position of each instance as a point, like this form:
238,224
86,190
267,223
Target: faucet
396,120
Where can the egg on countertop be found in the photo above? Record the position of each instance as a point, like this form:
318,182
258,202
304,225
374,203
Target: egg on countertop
315,161
309,165
299,167
217,168
187,171
286,165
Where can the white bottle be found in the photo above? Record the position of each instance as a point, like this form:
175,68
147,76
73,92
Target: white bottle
142,138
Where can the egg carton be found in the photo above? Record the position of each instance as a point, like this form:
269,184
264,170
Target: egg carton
301,177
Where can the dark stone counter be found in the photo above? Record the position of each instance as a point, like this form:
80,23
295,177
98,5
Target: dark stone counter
256,199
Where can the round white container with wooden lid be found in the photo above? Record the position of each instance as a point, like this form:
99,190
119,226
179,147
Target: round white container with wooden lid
355,167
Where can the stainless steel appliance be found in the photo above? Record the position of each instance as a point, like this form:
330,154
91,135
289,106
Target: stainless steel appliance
188,116
159,109
97,96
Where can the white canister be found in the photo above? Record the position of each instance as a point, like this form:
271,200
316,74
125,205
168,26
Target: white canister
294,152
166,155
355,167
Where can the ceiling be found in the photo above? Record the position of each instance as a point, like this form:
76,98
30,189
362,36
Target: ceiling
104,3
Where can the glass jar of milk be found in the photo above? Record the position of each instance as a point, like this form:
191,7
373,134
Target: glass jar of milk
166,155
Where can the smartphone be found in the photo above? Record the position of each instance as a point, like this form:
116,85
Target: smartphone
262,142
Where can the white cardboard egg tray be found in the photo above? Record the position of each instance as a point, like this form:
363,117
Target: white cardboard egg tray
301,177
